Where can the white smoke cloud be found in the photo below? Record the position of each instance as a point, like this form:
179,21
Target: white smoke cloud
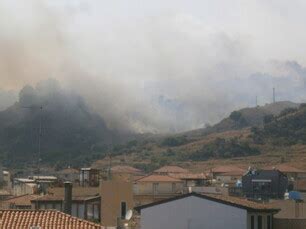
156,66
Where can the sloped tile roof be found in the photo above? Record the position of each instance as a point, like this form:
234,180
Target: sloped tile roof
171,169
157,178
188,176
284,168
125,169
226,169
46,219
24,200
227,200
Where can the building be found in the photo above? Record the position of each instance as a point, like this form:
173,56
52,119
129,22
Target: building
69,174
18,202
85,202
291,172
165,170
264,184
156,187
89,177
191,181
124,172
225,169
229,178
42,219
83,207
117,199
292,214
24,186
196,211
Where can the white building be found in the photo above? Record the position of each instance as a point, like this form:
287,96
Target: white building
196,211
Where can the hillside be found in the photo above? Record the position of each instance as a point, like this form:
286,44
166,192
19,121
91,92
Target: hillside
246,117
226,143
71,132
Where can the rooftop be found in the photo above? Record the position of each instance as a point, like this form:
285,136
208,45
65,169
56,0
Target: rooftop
228,200
24,200
49,197
227,168
46,219
68,171
125,169
76,191
171,169
157,178
188,176
284,168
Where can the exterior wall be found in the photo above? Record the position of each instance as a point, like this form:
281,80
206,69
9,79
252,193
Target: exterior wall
112,194
23,189
193,213
289,223
161,188
278,184
264,220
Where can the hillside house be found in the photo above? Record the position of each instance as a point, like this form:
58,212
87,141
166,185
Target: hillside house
264,184
227,172
166,170
196,211
124,172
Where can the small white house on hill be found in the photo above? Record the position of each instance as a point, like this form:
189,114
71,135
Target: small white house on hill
196,211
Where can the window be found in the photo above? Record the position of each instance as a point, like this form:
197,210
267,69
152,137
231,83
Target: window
252,222
259,222
155,188
123,210
268,222
173,187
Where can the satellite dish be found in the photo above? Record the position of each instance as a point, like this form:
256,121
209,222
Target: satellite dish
129,214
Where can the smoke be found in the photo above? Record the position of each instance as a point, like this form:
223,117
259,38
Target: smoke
154,67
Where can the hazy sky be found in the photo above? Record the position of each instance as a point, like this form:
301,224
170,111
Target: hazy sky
158,65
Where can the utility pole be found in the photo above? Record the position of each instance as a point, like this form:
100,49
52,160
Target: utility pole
39,134
273,95
256,101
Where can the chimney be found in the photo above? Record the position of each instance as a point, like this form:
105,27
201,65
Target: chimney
68,198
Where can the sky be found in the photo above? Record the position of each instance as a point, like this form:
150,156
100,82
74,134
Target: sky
157,66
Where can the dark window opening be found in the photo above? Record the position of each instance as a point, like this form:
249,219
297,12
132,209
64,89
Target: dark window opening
259,221
268,222
123,210
252,222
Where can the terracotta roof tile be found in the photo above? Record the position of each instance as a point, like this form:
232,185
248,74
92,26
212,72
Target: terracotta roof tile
171,169
125,169
226,169
284,168
46,219
188,176
158,178
24,200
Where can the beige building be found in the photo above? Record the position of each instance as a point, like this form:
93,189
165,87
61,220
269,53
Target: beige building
116,200
153,187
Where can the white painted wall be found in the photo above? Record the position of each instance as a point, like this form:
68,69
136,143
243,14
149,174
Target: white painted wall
193,213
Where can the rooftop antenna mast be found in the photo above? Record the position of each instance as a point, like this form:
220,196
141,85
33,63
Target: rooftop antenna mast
39,134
